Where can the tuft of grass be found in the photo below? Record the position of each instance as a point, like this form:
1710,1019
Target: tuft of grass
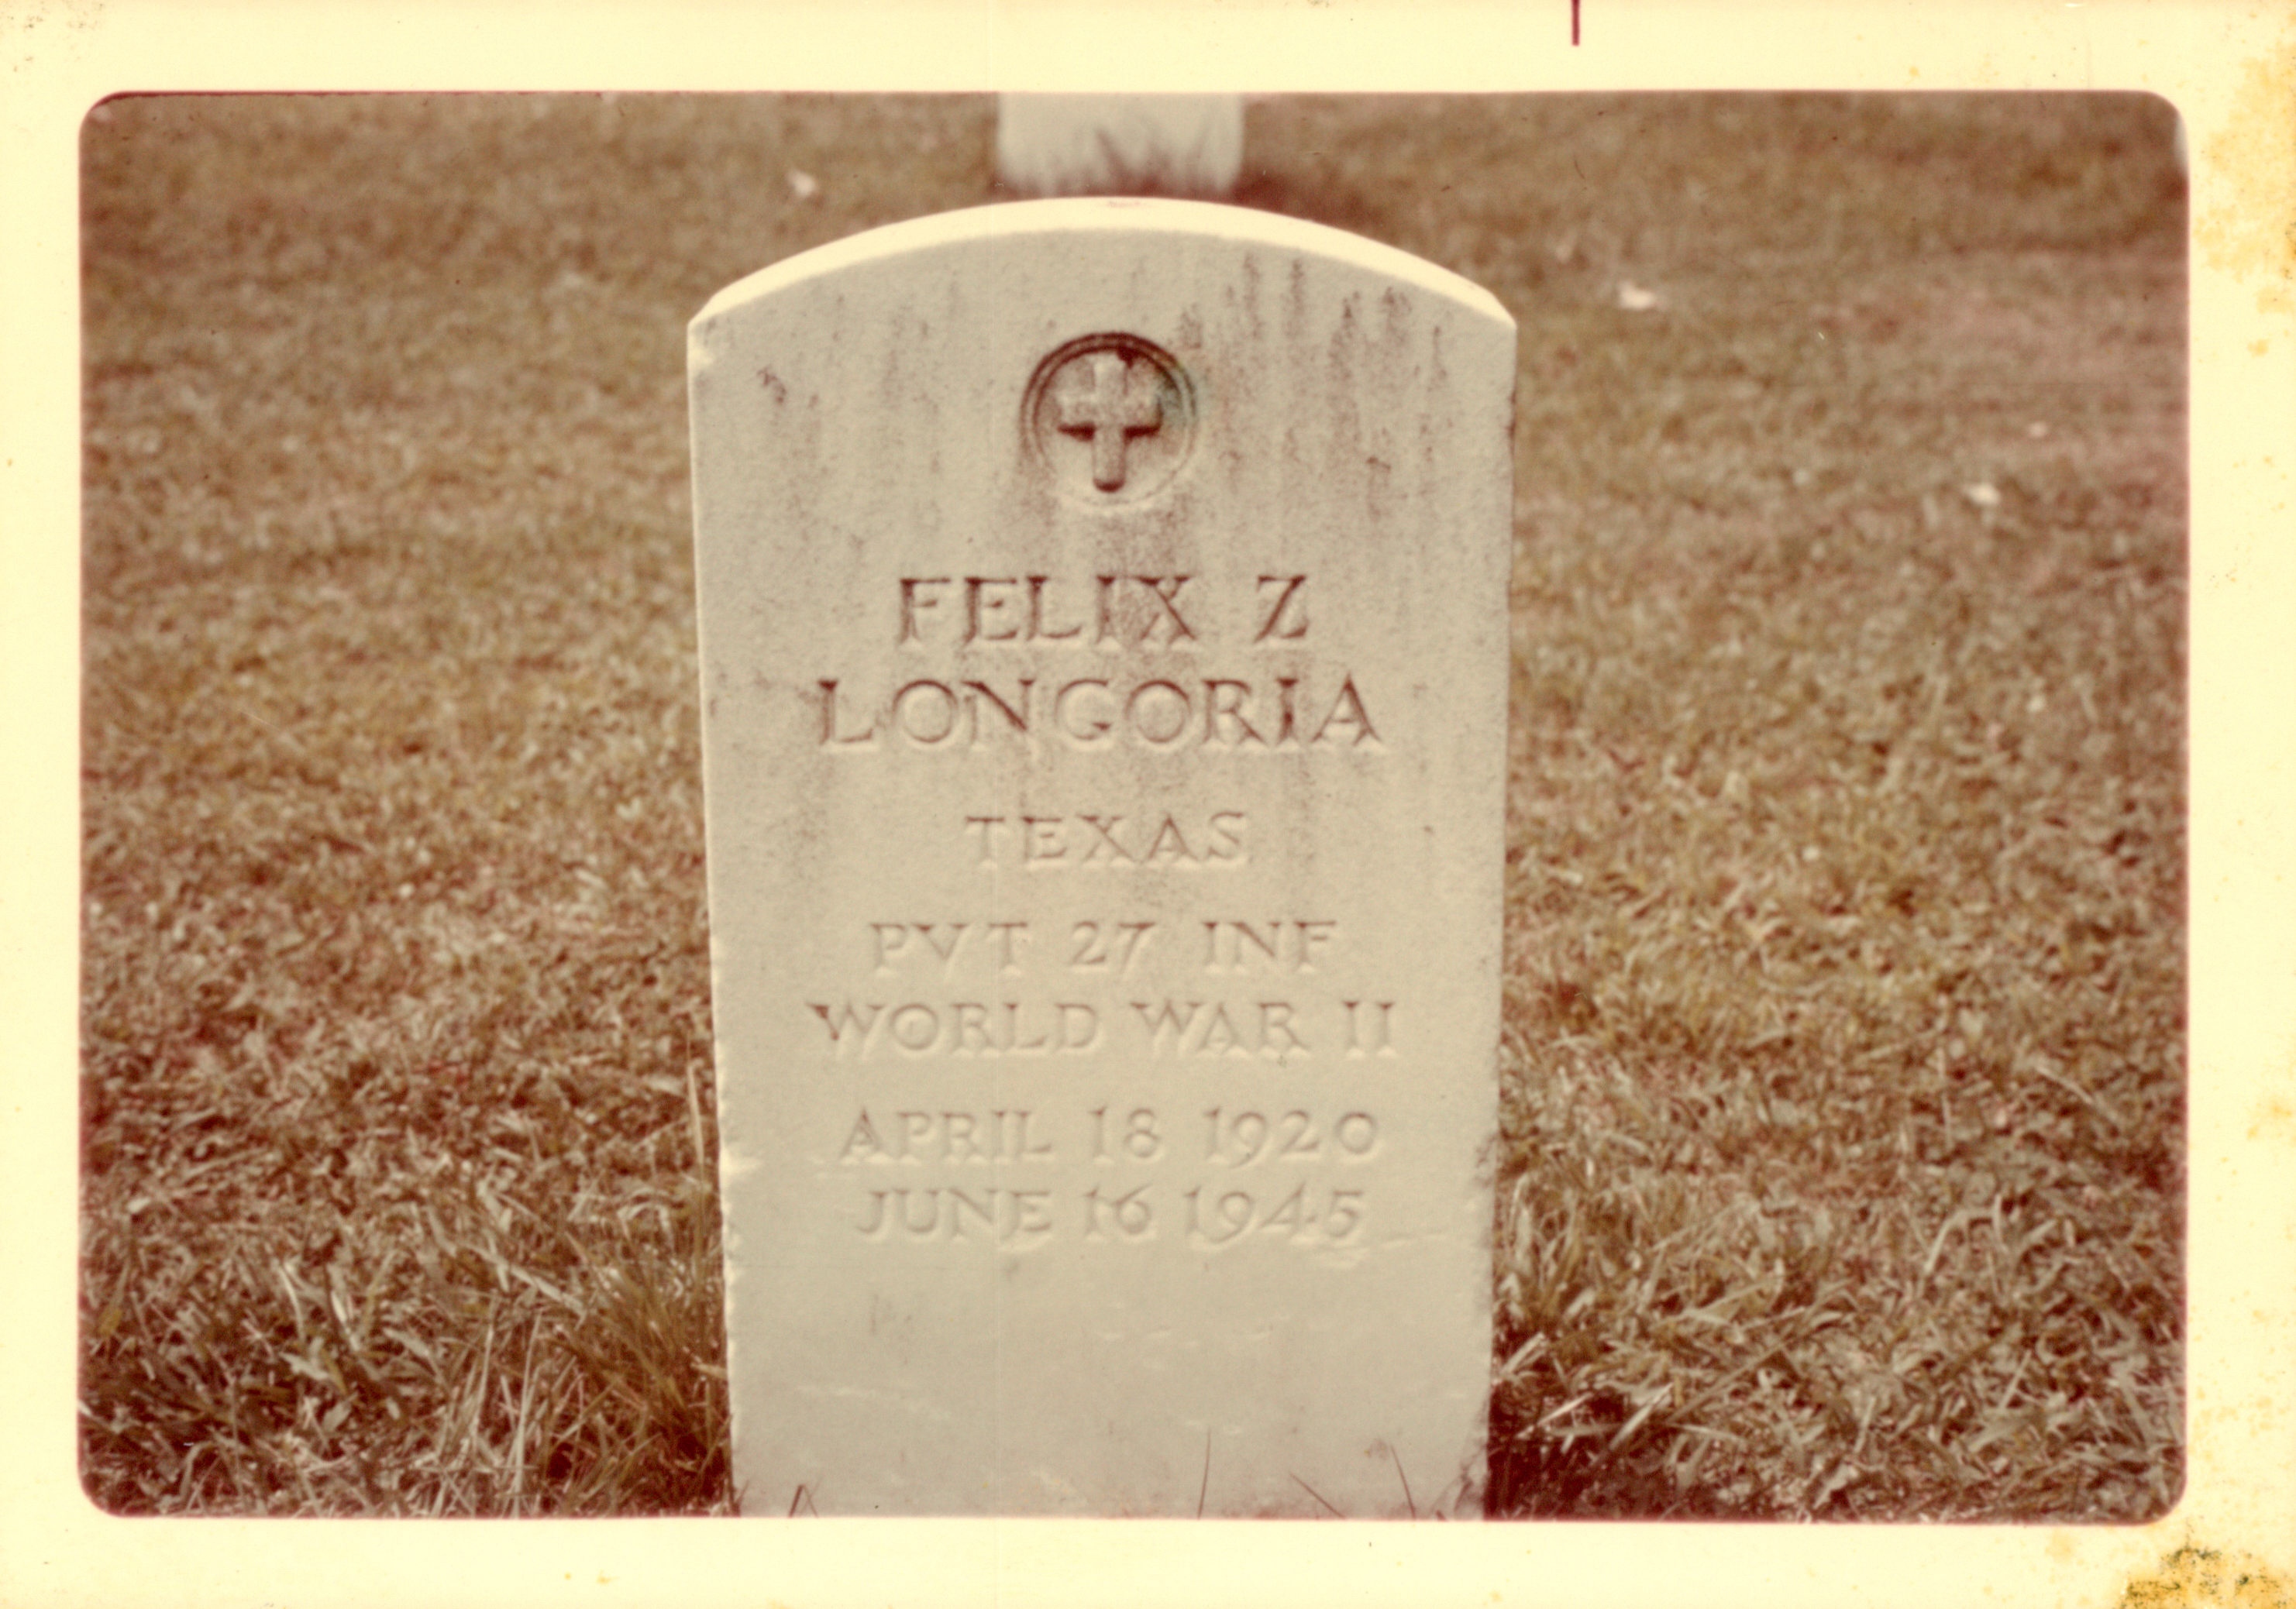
1842,1158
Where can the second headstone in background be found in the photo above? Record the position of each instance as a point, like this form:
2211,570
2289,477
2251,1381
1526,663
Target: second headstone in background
1103,631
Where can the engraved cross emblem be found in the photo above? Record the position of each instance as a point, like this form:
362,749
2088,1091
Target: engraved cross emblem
1107,399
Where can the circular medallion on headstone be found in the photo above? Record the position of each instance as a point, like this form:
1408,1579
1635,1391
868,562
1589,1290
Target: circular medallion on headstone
1110,416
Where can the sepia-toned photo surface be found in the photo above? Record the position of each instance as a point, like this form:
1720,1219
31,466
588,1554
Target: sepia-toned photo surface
1832,1091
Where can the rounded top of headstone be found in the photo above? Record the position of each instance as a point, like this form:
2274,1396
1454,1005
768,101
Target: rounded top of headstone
1107,216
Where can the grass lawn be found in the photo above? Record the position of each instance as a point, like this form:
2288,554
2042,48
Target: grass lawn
1842,1172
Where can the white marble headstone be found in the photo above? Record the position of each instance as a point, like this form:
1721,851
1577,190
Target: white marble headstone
1103,660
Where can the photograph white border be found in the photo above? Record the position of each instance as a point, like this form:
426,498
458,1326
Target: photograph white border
2231,71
